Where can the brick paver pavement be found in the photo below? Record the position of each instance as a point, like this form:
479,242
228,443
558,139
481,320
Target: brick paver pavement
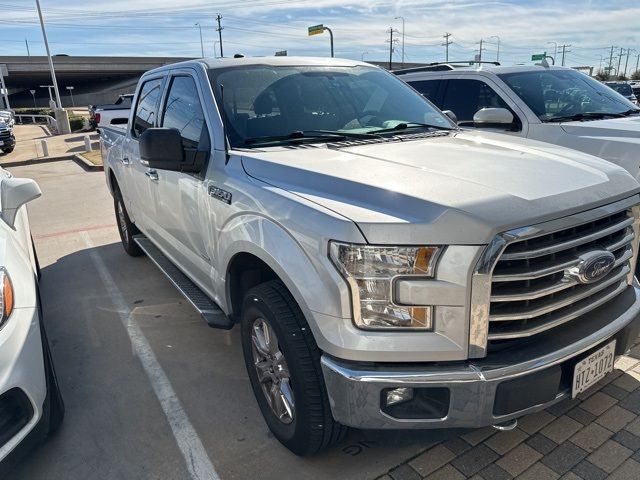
595,436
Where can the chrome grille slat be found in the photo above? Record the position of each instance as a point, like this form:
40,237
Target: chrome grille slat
570,244
563,284
532,287
527,332
584,293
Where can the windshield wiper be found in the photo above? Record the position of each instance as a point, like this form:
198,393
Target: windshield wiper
408,125
304,135
585,116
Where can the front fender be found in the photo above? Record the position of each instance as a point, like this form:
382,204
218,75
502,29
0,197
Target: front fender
300,262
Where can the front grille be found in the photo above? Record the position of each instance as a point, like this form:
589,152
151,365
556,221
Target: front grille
531,290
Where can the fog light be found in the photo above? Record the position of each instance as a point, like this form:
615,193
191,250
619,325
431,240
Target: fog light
398,395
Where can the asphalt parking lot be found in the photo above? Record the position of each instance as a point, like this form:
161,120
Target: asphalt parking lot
153,393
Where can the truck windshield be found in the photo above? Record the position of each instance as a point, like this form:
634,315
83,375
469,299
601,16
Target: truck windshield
288,104
556,95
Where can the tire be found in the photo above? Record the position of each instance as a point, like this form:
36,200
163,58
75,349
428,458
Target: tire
7,150
305,426
37,261
126,228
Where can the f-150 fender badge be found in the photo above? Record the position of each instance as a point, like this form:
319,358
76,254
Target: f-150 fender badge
220,194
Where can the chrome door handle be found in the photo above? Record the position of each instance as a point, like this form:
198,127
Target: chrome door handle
126,161
152,174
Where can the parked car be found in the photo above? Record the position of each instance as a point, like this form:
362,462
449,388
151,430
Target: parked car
635,86
7,117
119,109
7,138
31,405
552,104
624,89
386,269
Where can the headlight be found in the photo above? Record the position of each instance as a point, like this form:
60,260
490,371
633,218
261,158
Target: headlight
371,273
6,296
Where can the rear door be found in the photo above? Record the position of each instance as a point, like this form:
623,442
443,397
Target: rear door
141,185
181,197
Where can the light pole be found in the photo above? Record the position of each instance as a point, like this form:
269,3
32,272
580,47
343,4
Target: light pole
402,18
498,54
70,89
46,45
555,50
201,44
49,87
362,56
33,94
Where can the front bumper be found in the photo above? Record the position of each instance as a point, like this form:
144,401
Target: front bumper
22,370
8,142
507,384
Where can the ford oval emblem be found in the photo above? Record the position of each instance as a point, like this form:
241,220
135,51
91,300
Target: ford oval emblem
593,266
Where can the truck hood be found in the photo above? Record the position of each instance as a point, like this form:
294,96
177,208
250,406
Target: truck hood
461,188
623,128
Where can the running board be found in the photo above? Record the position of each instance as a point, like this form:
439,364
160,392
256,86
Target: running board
209,310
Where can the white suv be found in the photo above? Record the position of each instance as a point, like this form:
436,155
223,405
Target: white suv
30,402
552,104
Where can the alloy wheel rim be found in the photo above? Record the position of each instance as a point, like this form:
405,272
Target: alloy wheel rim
272,371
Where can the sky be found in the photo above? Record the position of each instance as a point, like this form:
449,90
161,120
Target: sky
360,28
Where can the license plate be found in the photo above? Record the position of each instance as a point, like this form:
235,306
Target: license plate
593,368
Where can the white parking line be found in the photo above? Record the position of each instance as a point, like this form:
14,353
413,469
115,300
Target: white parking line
189,443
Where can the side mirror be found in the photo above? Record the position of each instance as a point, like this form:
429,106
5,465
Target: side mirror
162,148
452,116
492,117
15,192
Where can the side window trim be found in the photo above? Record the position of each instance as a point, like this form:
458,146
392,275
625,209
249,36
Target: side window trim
162,78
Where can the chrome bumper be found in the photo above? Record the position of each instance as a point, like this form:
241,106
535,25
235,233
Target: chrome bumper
355,390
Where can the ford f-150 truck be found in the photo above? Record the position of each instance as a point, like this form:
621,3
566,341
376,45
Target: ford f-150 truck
386,269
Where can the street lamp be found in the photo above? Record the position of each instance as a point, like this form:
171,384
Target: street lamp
33,94
70,89
201,44
362,56
498,54
402,18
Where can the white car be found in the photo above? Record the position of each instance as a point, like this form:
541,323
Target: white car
555,105
30,402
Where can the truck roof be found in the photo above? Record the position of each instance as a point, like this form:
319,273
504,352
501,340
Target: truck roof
284,61
497,69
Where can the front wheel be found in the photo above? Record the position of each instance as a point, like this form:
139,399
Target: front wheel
283,363
126,228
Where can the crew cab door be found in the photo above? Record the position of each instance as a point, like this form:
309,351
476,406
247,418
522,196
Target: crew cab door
181,203
140,181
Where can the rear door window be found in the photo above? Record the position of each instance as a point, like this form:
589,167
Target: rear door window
465,97
147,106
428,88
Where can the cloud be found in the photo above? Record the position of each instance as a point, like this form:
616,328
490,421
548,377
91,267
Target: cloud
259,27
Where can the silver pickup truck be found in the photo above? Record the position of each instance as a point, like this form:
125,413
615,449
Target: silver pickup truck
386,269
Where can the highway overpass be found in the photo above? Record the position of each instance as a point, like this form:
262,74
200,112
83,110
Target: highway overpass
95,80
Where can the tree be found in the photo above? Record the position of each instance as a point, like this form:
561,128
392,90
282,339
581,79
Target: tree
622,78
635,75
602,75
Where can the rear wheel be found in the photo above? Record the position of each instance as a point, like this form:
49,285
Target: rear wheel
283,363
126,228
